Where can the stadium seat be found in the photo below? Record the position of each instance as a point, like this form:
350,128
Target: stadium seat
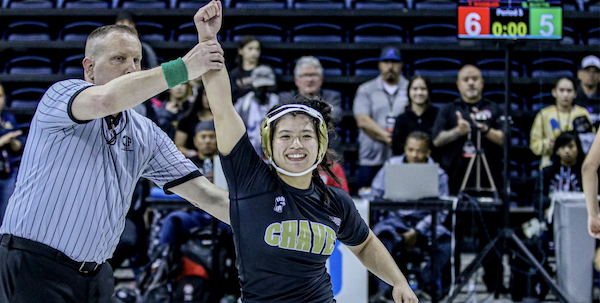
366,67
379,33
534,169
494,67
259,4
319,4
152,31
72,65
379,4
264,32
89,4
31,4
436,67
593,36
517,137
516,170
569,36
28,97
331,66
593,6
276,63
435,33
435,4
517,103
317,32
443,96
194,4
27,31
541,100
29,65
552,68
143,4
78,31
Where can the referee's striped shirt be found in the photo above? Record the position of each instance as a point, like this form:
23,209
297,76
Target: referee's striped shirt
74,188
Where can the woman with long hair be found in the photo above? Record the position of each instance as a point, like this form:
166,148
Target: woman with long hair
247,59
186,128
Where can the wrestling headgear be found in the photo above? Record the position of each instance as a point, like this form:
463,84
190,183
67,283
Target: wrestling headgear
266,139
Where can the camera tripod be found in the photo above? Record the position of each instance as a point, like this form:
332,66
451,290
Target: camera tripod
505,233
478,158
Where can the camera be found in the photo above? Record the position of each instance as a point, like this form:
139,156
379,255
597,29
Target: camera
481,116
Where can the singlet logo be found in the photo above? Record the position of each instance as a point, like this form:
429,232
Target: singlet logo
126,143
279,204
301,235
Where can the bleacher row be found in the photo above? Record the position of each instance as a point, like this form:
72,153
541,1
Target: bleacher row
568,5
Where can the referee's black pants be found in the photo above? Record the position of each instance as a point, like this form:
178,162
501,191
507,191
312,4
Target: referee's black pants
28,277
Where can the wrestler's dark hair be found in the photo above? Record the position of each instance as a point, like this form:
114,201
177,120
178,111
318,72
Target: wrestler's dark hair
330,155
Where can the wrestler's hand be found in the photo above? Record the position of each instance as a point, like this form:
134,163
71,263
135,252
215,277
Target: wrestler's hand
205,56
403,294
208,20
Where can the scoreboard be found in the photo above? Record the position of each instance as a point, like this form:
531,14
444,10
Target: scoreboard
494,19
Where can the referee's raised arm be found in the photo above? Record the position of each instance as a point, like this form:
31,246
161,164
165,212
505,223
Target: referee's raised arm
120,83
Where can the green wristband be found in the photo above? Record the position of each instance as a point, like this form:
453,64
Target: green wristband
175,72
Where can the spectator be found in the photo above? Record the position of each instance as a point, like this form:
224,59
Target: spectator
11,144
402,231
248,49
254,105
205,141
376,105
149,58
171,111
308,77
588,93
186,127
338,171
555,119
418,115
455,131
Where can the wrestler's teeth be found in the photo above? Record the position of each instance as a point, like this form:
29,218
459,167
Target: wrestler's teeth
296,156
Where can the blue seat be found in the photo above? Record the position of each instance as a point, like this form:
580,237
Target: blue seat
436,67
89,4
593,36
78,31
259,4
279,67
366,67
517,137
569,36
517,103
380,4
194,4
552,68
142,4
27,98
319,4
264,32
593,6
443,96
435,4
542,100
516,170
152,31
435,33
72,65
331,66
186,32
27,31
31,4
379,33
494,67
317,32
534,169
29,65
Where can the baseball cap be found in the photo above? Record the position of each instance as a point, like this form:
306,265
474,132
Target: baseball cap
390,53
262,75
590,60
205,125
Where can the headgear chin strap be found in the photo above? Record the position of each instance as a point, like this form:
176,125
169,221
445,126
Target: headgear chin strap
266,139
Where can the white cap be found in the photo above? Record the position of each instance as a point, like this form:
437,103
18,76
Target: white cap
590,60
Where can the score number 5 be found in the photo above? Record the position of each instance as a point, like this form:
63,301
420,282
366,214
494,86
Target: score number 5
546,22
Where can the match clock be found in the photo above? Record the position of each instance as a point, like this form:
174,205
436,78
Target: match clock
523,21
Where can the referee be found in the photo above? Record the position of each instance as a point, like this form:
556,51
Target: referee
85,152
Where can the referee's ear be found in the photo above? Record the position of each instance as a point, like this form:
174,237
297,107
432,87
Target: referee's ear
88,69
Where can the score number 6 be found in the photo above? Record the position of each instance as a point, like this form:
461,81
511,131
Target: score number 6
545,21
472,25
